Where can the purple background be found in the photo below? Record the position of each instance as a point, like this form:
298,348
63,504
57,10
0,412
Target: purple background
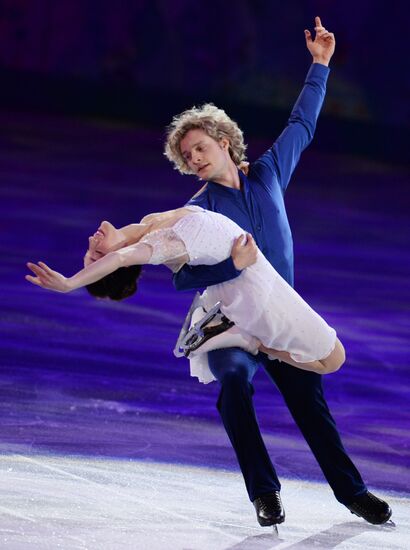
81,141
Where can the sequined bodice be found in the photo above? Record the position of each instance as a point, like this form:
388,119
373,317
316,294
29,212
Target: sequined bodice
200,238
167,248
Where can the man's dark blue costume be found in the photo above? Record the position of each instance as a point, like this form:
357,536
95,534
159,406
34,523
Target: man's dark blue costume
259,208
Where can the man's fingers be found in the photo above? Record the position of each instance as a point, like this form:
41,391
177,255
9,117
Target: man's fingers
245,254
237,242
308,36
250,244
318,22
244,240
328,37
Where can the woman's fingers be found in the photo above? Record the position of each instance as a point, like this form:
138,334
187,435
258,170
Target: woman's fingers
41,273
35,268
34,280
47,269
46,277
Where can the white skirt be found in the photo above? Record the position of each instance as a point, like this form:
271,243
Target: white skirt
260,302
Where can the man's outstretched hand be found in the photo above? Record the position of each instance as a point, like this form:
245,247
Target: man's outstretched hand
323,46
244,253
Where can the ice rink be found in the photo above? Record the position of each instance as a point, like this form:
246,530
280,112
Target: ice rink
105,440
51,502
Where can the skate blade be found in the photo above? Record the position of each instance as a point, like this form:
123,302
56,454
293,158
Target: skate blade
196,331
178,352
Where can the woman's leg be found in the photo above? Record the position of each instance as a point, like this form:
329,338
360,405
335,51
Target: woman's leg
236,337
331,363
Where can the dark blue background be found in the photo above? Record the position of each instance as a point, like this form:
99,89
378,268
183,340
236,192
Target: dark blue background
145,60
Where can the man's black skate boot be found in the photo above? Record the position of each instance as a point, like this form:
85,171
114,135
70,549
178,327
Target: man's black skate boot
372,509
269,509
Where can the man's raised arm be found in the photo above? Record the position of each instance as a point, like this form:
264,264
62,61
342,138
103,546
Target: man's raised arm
281,159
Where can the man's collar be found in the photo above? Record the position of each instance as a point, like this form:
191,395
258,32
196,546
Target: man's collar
224,190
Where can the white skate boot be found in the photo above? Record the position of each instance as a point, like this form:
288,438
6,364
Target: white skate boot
211,330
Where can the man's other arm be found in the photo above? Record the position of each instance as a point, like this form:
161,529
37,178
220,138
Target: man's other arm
243,254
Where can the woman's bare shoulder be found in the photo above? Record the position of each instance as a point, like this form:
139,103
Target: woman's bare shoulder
162,216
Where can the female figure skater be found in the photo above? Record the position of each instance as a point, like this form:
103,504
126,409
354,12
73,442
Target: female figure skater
260,302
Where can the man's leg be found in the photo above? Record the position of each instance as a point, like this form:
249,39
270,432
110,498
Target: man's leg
303,393
234,369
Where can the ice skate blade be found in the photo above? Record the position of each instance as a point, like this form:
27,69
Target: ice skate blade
268,523
200,331
275,530
197,328
389,523
178,352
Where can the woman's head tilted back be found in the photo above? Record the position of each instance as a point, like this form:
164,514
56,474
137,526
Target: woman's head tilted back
123,282
211,120
118,285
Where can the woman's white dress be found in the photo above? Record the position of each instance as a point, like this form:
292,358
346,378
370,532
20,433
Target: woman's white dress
259,301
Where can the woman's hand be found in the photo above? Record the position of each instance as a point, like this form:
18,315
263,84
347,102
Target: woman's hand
323,46
244,167
47,278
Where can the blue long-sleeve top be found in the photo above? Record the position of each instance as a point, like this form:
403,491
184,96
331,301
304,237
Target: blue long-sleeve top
258,206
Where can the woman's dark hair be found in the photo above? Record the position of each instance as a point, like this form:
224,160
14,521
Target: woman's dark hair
118,285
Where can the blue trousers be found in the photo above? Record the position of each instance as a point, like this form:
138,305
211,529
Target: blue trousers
303,393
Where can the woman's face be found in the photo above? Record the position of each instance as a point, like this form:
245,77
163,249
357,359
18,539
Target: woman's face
106,237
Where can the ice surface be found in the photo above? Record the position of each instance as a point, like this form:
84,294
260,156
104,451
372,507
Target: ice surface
51,502
86,378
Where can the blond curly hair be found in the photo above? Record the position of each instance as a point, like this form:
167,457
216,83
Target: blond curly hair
215,122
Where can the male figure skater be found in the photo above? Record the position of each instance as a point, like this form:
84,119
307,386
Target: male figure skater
206,142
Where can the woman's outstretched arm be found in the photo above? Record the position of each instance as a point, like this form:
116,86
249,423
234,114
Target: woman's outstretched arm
45,277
